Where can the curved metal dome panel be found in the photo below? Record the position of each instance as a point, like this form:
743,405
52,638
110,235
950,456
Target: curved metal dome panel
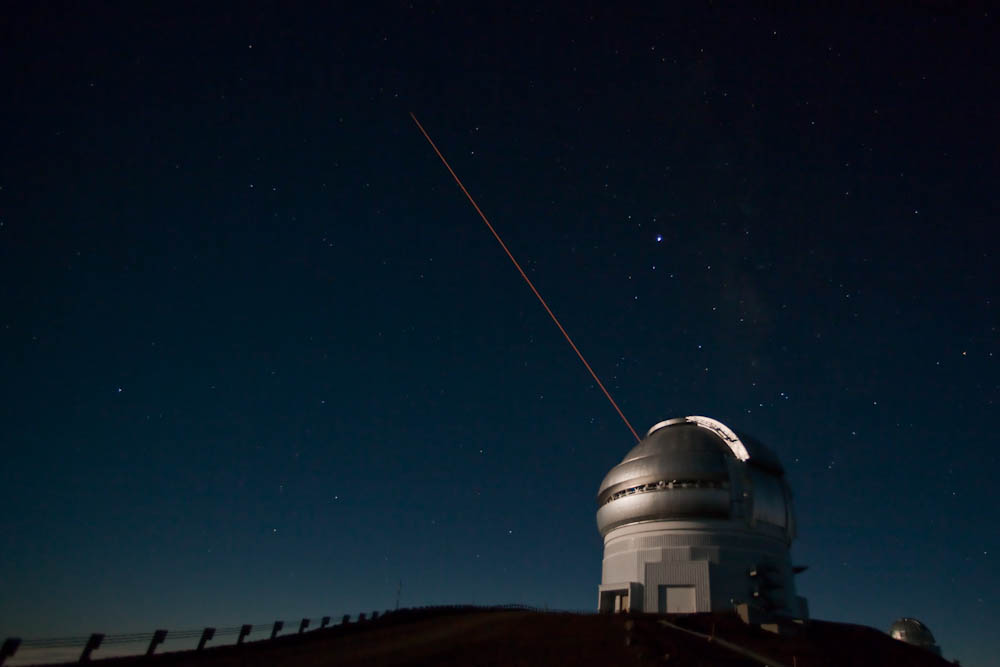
676,503
912,631
710,426
683,468
761,455
682,452
768,498
680,464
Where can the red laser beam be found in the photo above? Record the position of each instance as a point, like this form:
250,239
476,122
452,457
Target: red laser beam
524,275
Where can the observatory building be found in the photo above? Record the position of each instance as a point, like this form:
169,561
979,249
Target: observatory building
912,631
696,518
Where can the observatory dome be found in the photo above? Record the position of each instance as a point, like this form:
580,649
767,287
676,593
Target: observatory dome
697,518
912,631
694,467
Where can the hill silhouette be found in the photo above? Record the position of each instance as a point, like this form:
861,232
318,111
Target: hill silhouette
473,636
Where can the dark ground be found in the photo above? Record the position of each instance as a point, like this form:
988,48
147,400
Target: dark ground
518,637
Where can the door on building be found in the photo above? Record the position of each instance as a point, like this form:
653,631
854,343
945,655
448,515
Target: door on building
614,601
676,600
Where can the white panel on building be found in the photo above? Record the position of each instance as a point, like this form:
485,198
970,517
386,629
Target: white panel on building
677,600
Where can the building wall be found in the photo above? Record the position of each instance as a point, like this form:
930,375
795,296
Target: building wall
714,556
669,572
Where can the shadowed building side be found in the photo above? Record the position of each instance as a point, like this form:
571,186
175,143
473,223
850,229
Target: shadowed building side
695,519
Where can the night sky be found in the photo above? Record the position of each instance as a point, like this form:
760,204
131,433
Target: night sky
261,358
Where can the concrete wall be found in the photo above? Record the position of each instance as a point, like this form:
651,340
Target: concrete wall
716,557
677,573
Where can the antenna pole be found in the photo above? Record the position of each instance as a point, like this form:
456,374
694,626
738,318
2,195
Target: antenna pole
524,275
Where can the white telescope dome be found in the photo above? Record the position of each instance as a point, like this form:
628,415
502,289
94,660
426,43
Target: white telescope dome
697,518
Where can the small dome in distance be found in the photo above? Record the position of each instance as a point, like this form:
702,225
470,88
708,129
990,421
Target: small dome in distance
912,631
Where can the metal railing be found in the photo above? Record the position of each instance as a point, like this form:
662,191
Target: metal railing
87,645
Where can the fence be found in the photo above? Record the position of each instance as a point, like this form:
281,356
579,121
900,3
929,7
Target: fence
83,647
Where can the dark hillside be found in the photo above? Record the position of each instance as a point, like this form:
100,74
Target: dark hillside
472,637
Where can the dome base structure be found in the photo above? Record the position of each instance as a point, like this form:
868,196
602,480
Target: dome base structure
697,519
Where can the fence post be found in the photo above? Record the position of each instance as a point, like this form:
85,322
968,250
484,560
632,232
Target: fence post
157,639
303,625
206,634
325,622
244,631
92,645
277,628
9,648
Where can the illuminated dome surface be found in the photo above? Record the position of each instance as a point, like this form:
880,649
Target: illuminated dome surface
686,467
697,518
912,631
